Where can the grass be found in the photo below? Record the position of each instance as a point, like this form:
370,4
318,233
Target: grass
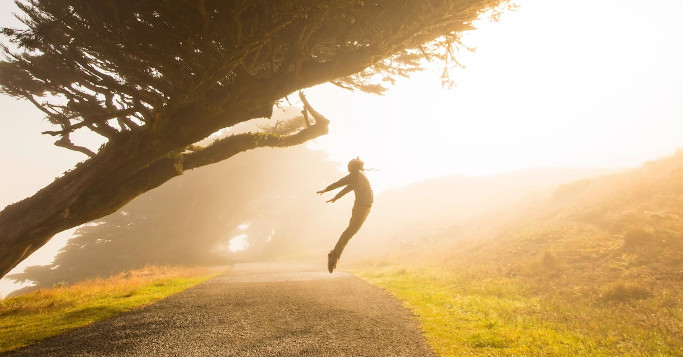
469,315
594,270
34,316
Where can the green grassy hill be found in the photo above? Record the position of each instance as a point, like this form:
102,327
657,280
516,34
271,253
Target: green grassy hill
620,229
594,269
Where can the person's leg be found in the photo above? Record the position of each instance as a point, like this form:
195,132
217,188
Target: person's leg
358,216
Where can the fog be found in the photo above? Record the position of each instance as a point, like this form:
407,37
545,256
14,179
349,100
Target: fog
425,143
262,205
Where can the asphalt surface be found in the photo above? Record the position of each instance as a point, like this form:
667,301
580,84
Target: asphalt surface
265,309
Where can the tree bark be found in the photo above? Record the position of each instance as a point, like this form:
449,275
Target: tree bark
92,190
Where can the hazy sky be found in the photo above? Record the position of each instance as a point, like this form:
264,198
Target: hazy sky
582,83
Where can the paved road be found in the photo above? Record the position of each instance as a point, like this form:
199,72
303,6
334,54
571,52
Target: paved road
265,309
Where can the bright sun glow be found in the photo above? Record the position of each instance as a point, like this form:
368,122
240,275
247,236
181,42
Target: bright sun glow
557,83
564,84
238,243
542,89
270,237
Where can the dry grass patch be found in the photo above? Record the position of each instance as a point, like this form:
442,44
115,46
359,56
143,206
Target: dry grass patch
624,291
47,312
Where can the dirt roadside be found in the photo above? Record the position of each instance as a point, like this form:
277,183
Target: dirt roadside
258,309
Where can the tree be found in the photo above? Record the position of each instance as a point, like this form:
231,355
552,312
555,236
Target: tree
191,219
156,77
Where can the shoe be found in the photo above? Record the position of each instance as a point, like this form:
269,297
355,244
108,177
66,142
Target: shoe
331,262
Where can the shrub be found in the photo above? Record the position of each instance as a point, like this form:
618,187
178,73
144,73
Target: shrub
549,261
546,265
637,237
623,291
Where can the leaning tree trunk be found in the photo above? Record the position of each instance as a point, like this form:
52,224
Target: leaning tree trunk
131,165
311,50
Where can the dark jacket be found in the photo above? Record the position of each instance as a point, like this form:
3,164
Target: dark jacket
360,185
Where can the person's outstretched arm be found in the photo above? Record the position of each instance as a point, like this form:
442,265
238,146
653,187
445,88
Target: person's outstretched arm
342,182
341,193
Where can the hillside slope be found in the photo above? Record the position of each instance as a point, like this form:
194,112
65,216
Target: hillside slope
595,269
414,214
620,226
619,229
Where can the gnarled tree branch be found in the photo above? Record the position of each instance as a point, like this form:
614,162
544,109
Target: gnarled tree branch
66,143
182,83
234,144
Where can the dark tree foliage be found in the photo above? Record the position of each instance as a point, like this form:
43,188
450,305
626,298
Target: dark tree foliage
154,77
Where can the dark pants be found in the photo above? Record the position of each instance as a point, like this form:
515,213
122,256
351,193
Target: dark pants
358,215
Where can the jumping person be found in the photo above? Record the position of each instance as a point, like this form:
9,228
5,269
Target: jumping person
360,185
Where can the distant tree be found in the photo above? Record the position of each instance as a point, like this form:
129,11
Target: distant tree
156,77
189,220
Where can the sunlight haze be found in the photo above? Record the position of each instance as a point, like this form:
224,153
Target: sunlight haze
593,84
559,84
526,202
554,83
